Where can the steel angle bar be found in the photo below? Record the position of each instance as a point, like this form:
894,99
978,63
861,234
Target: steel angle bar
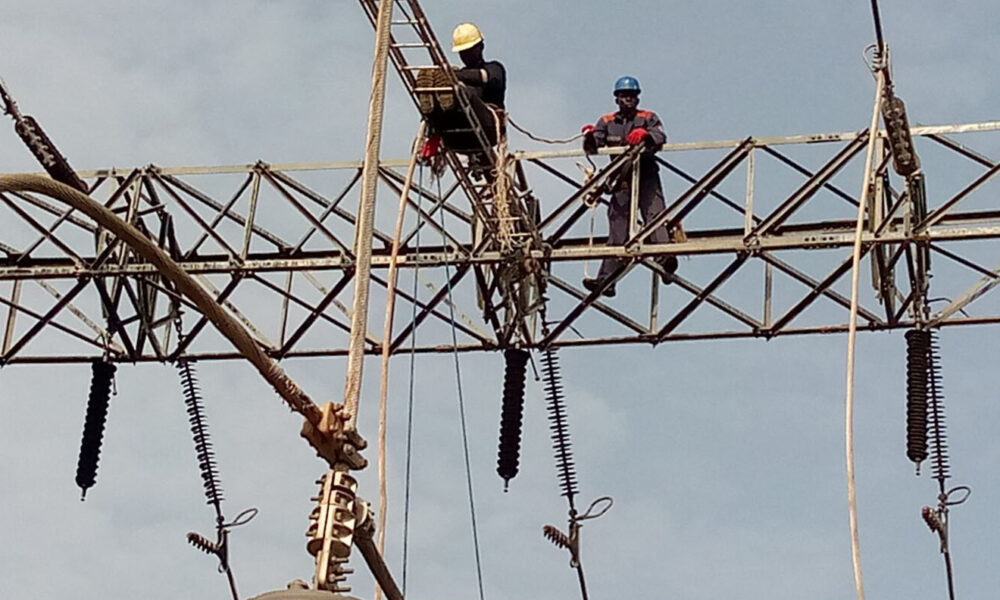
45,320
9,328
316,283
598,305
314,222
185,340
816,292
221,211
328,210
55,210
79,314
460,272
303,304
223,300
439,204
554,171
145,324
566,322
51,230
42,230
599,179
940,212
485,289
115,324
710,299
713,193
425,217
690,199
965,262
787,208
699,299
168,186
314,314
392,175
320,200
9,349
963,150
224,210
979,289
466,325
809,174
801,277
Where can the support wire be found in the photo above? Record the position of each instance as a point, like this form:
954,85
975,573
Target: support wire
461,412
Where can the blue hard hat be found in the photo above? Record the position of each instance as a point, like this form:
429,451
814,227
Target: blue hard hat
627,84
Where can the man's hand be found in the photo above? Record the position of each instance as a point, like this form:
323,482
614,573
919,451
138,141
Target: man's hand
636,136
589,143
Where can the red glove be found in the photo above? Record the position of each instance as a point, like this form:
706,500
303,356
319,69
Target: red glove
587,129
636,136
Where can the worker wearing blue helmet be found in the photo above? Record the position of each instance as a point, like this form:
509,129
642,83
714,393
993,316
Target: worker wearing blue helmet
629,126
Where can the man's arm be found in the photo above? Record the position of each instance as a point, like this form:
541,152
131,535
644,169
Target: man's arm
654,126
600,133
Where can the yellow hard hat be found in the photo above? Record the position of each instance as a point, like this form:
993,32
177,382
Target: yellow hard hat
465,36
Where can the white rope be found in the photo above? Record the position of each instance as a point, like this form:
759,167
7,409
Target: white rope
852,333
366,217
390,310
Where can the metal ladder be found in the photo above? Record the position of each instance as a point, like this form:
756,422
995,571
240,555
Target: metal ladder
507,224
414,47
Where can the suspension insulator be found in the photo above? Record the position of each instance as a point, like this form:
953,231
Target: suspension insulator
904,156
93,425
565,469
935,413
918,343
511,414
199,433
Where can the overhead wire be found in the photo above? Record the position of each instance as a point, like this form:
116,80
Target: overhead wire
461,412
543,140
409,405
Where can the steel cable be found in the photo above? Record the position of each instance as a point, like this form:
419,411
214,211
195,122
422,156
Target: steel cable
461,412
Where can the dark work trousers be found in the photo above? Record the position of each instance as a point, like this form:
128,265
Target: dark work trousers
453,126
650,205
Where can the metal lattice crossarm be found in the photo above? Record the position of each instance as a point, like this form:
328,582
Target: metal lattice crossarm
768,223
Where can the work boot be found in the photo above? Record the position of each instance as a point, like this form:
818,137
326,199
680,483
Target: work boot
593,283
426,78
445,99
669,264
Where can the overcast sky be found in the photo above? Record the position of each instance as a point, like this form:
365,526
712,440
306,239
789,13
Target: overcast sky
725,459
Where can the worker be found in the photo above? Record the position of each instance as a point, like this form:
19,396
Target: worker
484,85
630,126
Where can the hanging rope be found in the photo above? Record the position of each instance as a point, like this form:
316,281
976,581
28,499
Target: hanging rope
390,310
461,412
852,334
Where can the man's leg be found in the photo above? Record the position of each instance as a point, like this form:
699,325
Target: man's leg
618,210
651,205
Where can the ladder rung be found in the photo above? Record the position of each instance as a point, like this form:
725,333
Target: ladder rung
437,89
418,68
409,22
411,45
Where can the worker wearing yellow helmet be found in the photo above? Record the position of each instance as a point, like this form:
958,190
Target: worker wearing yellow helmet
483,82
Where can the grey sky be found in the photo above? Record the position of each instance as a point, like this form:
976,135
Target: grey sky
725,459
